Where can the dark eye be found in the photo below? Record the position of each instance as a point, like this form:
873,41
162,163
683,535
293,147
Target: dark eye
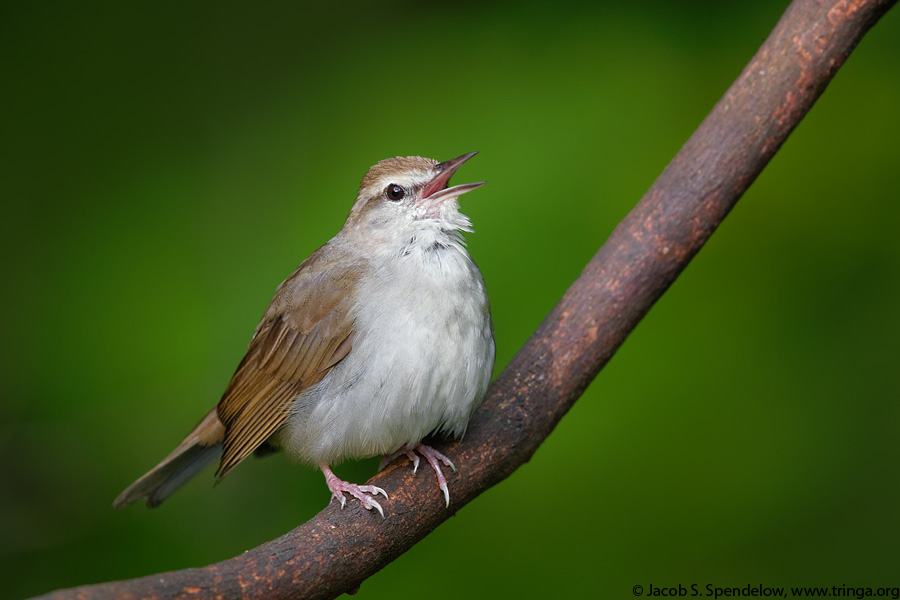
394,192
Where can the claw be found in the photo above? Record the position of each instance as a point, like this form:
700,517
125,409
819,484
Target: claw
389,458
433,457
339,486
372,489
415,460
443,486
447,462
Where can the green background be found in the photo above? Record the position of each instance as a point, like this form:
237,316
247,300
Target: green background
167,164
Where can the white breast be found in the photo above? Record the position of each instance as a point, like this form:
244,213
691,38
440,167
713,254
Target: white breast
422,358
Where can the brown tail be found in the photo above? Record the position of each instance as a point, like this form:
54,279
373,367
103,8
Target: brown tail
202,447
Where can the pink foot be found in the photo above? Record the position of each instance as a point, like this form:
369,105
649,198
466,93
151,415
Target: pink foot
389,458
432,456
338,486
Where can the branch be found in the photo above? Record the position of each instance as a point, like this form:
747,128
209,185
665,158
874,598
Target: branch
336,550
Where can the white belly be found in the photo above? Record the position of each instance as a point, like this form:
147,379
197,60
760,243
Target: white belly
422,357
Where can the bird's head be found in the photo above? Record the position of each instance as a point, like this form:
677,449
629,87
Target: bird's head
401,196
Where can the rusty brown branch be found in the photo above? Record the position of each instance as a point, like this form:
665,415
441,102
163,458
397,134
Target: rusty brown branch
337,550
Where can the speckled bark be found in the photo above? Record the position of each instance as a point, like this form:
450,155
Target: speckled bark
337,550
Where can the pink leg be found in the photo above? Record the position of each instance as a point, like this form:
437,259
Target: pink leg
432,456
338,486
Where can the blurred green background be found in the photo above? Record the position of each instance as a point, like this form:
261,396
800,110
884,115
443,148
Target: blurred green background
166,165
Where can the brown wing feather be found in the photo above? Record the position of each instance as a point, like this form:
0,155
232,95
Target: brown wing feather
305,332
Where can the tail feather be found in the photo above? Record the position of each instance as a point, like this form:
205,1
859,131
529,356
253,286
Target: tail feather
201,448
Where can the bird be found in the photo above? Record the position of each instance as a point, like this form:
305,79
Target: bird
379,338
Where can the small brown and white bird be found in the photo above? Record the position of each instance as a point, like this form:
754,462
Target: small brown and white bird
382,336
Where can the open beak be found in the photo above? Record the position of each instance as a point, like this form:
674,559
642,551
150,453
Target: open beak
437,191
